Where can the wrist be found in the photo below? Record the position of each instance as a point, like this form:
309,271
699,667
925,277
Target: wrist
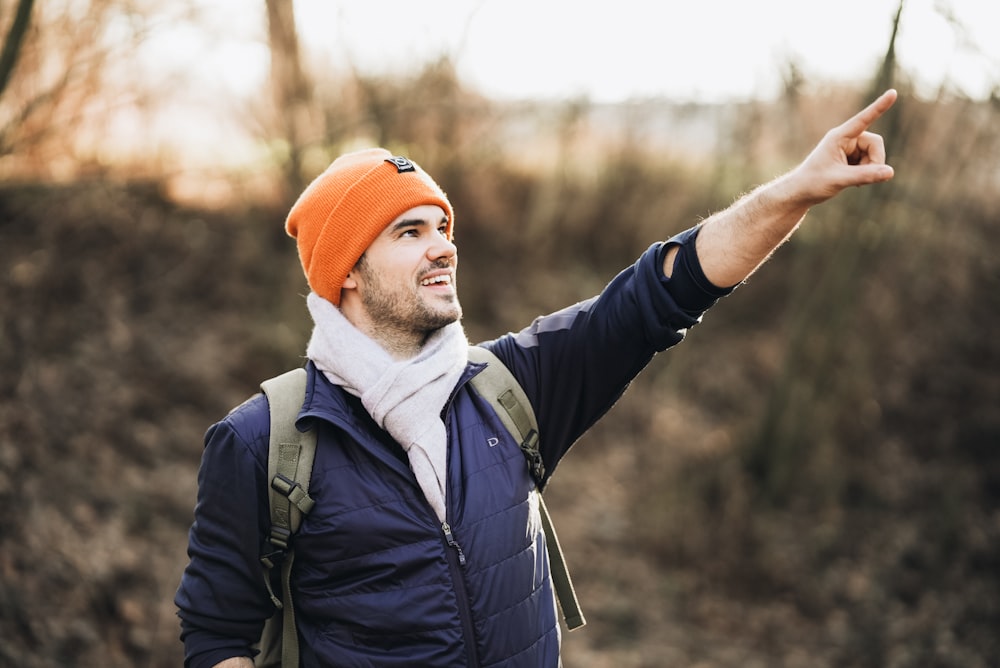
796,190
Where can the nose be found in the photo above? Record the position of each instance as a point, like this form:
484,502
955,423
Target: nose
443,247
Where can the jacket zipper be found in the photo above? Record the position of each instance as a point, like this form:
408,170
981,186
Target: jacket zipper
456,563
450,539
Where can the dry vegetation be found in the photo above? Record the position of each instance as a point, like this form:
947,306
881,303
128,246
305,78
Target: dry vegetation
811,479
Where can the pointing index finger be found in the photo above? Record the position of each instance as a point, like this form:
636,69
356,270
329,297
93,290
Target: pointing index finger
861,121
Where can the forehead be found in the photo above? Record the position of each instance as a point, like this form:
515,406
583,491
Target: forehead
425,212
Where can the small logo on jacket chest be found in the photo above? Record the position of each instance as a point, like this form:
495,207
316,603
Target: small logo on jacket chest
492,441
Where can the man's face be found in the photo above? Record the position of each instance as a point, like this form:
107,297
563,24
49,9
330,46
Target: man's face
406,278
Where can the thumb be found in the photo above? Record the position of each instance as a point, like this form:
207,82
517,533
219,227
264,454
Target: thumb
861,175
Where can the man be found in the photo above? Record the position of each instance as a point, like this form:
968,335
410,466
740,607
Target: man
424,546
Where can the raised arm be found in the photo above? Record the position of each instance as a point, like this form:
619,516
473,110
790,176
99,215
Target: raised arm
734,242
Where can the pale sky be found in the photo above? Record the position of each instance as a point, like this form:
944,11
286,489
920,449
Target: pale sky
704,50
696,50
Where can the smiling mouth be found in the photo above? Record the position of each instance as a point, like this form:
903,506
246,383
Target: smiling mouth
443,279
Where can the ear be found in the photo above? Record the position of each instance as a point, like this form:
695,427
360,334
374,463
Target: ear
350,283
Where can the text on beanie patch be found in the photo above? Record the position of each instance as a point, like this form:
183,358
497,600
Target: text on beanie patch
402,164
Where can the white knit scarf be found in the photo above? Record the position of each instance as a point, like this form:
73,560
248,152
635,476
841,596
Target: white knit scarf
403,397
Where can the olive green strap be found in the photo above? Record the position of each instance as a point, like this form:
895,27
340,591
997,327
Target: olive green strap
289,466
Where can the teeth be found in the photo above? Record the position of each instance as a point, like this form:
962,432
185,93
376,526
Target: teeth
444,278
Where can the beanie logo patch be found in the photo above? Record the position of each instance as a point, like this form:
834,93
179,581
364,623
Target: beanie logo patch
402,164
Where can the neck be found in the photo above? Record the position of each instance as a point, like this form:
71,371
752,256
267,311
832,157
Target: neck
401,341
400,345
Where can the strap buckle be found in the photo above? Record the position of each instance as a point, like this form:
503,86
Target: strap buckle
530,448
293,491
280,538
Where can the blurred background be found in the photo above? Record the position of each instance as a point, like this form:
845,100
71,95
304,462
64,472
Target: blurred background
811,479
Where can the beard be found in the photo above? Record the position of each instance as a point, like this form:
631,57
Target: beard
403,308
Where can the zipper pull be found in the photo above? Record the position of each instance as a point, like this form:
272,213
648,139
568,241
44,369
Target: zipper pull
450,538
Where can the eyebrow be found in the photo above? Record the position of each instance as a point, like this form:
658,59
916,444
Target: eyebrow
414,222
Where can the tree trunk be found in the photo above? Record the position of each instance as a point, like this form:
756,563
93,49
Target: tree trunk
12,44
291,89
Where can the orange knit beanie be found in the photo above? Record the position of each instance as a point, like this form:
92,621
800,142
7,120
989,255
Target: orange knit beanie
346,207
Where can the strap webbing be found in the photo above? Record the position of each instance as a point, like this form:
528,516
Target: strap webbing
561,580
497,385
289,466
289,632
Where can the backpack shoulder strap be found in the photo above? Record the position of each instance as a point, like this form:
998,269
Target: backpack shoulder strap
290,455
497,385
289,466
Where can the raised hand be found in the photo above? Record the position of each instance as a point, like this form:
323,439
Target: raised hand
734,242
848,155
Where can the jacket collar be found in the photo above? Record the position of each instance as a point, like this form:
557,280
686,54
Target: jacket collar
330,403
326,402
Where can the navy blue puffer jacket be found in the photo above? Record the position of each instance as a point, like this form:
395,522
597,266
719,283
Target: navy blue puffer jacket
378,581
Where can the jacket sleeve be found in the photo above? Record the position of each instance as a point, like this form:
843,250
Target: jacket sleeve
575,364
222,600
